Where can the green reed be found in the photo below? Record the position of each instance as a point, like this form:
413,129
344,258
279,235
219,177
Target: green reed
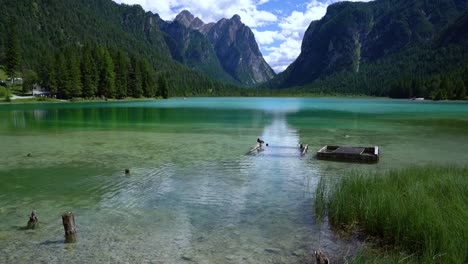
421,212
320,202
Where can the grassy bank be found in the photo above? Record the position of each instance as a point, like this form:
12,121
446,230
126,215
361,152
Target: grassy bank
419,214
29,100
3,75
74,100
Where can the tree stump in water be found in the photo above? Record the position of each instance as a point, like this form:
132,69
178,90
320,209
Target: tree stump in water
33,221
321,258
68,221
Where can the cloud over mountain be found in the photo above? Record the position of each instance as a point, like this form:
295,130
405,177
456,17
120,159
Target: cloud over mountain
279,25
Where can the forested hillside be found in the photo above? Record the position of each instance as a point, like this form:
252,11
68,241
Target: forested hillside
48,28
384,48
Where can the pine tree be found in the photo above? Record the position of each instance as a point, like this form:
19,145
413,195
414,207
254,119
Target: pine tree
148,84
462,93
48,75
89,73
163,87
121,74
134,85
61,76
12,56
106,85
74,74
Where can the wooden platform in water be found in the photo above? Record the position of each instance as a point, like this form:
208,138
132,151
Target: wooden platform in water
258,148
345,153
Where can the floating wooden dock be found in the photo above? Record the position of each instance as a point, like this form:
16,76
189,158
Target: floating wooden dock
344,153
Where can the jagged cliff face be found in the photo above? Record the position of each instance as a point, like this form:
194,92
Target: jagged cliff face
351,34
190,21
192,48
236,47
228,44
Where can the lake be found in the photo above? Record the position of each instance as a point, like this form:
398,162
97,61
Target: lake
193,194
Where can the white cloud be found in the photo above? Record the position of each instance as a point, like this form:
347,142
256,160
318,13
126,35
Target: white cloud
267,37
281,56
261,2
210,10
292,29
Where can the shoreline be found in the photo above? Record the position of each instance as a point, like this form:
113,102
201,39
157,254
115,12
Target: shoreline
37,100
18,100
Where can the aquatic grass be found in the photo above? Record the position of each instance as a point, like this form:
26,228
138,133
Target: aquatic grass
369,257
320,202
418,210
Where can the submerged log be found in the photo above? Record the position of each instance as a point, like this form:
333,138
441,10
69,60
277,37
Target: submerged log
306,148
68,221
33,221
258,147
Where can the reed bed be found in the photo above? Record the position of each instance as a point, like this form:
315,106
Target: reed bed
320,201
420,213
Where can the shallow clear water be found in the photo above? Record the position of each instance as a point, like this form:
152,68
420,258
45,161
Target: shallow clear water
193,194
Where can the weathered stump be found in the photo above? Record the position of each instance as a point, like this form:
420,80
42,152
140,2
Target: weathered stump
33,221
68,221
321,258
305,149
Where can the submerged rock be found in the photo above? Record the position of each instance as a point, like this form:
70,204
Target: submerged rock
273,250
298,252
187,257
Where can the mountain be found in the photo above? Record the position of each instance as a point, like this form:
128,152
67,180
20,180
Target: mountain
47,27
238,51
192,48
233,48
354,39
455,33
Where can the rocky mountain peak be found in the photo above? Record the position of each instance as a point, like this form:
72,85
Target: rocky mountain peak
236,18
190,21
238,51
185,18
232,42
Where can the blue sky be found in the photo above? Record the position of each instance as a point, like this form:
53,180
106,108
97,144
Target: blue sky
278,25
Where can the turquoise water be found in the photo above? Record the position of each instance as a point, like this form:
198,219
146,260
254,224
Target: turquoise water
193,195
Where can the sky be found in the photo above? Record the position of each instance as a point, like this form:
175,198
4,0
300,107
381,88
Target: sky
278,25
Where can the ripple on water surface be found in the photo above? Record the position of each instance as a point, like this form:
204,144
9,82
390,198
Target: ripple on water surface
193,194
